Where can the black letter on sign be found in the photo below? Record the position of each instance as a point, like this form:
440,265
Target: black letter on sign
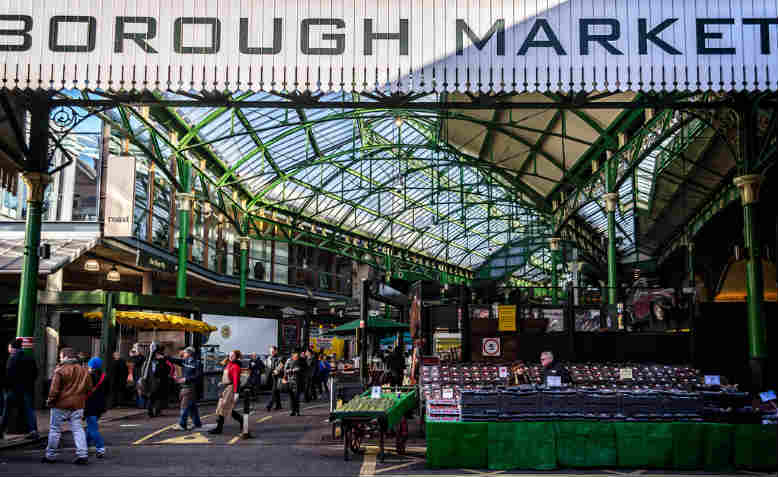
138,38
604,40
644,36
178,34
91,36
552,41
305,37
499,27
764,30
703,36
370,36
244,39
24,32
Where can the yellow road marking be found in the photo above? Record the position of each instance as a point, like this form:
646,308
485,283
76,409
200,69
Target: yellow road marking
196,438
368,463
166,428
399,466
234,440
263,419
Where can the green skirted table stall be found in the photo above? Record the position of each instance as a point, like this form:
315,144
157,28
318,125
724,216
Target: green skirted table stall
589,444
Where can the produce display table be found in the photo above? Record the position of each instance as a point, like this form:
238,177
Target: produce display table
360,424
588,444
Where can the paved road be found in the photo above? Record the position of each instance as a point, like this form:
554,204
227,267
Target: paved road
283,446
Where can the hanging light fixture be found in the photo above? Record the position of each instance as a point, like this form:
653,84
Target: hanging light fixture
398,121
113,275
92,265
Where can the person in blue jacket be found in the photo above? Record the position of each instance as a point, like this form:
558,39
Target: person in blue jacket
95,406
191,371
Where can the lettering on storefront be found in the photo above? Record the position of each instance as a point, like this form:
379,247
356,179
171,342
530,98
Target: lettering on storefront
384,40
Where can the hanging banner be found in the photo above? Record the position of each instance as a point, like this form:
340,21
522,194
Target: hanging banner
119,196
506,315
390,45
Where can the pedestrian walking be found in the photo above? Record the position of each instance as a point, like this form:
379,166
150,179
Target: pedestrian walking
294,376
70,386
118,375
20,375
135,365
190,369
324,374
158,382
276,366
229,395
95,406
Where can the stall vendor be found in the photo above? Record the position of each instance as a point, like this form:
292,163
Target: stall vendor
519,374
552,368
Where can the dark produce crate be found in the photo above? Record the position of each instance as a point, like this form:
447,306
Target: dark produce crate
601,404
520,403
562,403
642,405
680,405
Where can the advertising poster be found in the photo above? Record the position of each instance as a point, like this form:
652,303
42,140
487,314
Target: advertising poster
244,333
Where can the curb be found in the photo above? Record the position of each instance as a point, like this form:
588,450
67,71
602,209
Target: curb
44,436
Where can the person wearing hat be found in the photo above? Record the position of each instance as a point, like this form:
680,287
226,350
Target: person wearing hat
191,373
95,406
20,375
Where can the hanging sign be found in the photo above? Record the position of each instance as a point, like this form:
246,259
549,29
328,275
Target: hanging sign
119,196
490,347
325,45
506,314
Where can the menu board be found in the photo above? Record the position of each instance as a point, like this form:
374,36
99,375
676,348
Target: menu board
506,314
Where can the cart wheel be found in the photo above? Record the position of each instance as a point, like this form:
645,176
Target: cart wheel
400,444
346,440
354,440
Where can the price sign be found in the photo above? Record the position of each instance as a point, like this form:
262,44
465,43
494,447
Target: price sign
625,373
554,381
448,393
503,372
375,392
712,380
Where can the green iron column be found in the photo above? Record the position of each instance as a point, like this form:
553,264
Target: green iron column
185,201
690,261
611,203
244,267
28,287
554,243
757,327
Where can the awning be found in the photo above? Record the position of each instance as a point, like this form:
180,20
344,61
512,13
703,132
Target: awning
734,288
375,324
63,252
156,321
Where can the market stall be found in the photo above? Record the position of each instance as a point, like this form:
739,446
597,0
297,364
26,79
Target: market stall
372,414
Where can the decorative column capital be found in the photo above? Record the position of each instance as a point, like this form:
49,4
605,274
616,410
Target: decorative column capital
748,186
36,185
554,243
611,201
244,242
184,201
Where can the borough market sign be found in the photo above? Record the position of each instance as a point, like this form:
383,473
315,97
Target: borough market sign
408,45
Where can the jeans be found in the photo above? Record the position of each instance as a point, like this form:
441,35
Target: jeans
189,407
22,401
140,401
56,421
93,435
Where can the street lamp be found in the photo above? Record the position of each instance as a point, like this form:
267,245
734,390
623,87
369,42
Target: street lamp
113,275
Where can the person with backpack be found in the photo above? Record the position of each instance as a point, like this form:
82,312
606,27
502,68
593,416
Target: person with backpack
70,386
96,406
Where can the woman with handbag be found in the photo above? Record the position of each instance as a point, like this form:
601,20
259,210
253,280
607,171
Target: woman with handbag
294,373
229,394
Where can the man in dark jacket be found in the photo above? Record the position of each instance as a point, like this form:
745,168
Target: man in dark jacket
553,368
311,363
396,364
190,368
294,374
158,383
136,362
118,379
20,375
276,373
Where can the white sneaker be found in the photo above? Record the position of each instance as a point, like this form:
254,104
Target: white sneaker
178,427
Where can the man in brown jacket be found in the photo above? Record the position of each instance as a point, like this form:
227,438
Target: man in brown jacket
70,387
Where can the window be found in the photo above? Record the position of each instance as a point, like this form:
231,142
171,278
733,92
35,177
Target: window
281,273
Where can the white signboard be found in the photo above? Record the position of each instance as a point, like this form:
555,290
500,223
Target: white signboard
334,45
244,333
119,196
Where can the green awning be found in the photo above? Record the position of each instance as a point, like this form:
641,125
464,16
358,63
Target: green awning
374,324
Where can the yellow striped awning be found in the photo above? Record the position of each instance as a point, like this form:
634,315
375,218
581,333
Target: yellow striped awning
158,321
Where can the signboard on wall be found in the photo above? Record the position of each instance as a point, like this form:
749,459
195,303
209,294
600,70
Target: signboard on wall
336,45
506,314
119,196
244,333
490,347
